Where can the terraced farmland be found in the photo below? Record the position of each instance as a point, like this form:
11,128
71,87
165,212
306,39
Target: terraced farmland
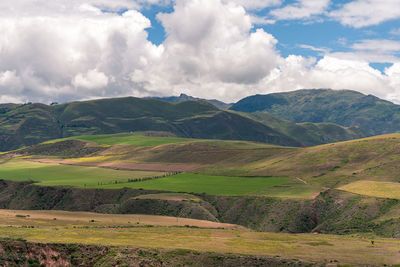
52,174
342,188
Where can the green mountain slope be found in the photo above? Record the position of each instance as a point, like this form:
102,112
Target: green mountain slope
34,123
343,107
27,125
310,134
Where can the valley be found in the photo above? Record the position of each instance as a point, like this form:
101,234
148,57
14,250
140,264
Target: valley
342,191
282,193
204,133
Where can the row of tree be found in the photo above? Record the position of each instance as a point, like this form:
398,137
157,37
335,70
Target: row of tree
132,180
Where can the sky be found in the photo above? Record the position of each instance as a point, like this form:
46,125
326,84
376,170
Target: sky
67,50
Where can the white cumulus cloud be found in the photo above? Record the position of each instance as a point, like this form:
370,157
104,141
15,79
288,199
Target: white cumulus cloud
362,13
256,4
52,54
297,72
378,45
301,9
65,50
93,79
210,49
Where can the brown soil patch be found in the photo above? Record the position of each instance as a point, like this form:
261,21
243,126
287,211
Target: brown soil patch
64,218
127,165
317,194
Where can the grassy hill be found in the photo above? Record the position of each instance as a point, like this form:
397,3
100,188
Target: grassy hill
30,124
344,187
34,123
27,124
330,165
346,192
310,134
343,107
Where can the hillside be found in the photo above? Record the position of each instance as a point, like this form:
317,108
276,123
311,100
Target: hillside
34,123
183,98
310,134
27,125
30,124
345,187
248,197
343,107
22,253
330,165
59,238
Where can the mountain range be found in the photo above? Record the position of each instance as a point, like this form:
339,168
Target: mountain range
344,107
28,124
298,118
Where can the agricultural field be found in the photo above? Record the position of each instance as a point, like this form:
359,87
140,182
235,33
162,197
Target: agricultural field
342,188
58,218
219,167
128,139
145,140
374,189
49,174
293,189
213,185
87,228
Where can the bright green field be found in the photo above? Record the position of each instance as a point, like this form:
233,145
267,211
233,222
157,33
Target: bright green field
138,139
135,139
213,185
48,174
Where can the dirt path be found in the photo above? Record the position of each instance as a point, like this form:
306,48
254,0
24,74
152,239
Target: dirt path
127,165
319,193
316,194
301,180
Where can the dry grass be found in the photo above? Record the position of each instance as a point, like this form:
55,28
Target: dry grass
75,218
374,189
335,165
117,230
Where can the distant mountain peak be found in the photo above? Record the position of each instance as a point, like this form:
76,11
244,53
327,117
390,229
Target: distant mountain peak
184,97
